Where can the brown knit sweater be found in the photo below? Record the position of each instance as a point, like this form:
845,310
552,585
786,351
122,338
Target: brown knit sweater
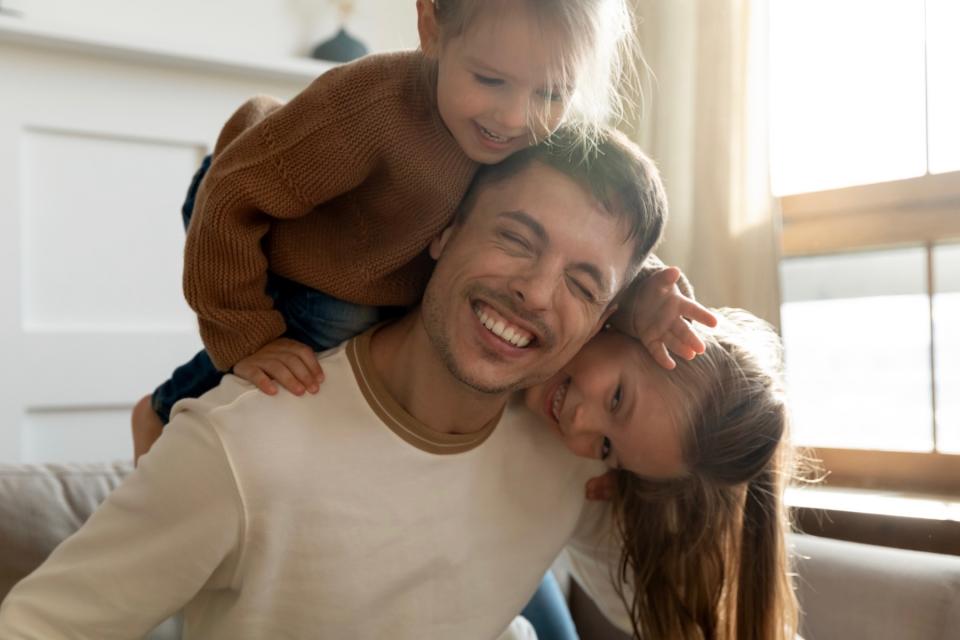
341,190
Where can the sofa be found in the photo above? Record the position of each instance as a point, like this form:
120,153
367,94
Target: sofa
847,591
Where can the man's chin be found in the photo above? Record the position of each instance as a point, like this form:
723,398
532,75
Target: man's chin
487,384
495,380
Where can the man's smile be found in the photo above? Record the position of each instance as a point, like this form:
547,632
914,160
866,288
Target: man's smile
502,327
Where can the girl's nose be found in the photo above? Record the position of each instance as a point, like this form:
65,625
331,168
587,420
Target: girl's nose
582,435
512,112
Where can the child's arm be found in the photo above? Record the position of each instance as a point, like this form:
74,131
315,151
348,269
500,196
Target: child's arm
656,309
298,156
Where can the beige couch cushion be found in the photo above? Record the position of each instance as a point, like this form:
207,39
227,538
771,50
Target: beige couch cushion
40,505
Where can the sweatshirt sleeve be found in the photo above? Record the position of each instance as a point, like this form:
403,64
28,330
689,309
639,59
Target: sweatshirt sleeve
593,556
174,526
320,145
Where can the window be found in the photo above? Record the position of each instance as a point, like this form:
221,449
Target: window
856,333
865,157
946,355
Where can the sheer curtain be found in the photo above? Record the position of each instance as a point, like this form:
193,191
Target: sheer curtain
703,118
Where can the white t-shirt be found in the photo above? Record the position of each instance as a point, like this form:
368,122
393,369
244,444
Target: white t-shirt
335,515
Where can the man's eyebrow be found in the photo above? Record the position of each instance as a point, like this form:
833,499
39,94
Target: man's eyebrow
528,221
591,270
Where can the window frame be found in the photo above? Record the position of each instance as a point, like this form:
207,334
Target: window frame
916,211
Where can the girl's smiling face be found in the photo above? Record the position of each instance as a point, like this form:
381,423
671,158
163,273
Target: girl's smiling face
493,89
611,402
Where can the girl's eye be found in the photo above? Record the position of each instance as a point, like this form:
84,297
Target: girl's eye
552,96
617,397
605,447
487,80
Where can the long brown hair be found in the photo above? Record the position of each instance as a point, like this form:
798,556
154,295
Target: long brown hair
704,556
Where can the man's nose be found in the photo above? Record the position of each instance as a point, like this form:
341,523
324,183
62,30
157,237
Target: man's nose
535,287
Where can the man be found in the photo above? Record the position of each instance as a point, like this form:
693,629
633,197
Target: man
406,499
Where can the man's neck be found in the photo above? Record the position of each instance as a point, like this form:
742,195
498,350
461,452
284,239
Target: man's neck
409,367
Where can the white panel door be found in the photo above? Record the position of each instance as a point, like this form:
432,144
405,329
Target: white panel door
96,153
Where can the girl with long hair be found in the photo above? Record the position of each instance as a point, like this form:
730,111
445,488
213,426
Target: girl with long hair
699,458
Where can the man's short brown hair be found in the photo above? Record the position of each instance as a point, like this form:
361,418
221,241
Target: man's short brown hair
617,173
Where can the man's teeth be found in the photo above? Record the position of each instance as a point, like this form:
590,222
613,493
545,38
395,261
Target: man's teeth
514,335
491,135
558,397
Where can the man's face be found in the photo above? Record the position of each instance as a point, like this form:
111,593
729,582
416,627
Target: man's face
525,281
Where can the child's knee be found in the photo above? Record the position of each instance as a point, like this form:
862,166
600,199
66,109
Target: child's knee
146,427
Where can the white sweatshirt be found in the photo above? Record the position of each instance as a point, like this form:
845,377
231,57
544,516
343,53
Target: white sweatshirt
335,515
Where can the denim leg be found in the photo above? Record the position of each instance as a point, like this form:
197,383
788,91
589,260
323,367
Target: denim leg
319,320
186,211
190,380
196,377
547,611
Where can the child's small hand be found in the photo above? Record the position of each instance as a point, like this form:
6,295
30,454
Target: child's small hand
601,487
658,315
293,364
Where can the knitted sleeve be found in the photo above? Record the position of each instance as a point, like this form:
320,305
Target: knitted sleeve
296,157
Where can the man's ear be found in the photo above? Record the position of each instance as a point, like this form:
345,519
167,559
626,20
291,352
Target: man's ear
603,318
428,28
437,244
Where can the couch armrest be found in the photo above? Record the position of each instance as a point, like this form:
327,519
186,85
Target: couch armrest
850,590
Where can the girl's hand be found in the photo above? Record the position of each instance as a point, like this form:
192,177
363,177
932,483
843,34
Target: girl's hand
658,313
293,364
601,487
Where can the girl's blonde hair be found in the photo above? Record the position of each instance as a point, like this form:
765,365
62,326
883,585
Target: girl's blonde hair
598,58
705,555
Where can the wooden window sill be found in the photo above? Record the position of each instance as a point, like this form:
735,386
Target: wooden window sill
922,522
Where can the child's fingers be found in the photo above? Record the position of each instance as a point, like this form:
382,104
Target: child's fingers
279,372
661,354
678,347
314,373
693,310
265,384
660,325
300,370
684,333
310,359
307,356
258,377
666,277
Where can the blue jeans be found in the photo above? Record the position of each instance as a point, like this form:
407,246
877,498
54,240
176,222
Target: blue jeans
312,317
548,613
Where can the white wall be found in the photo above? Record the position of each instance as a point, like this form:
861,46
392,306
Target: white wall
98,140
270,28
